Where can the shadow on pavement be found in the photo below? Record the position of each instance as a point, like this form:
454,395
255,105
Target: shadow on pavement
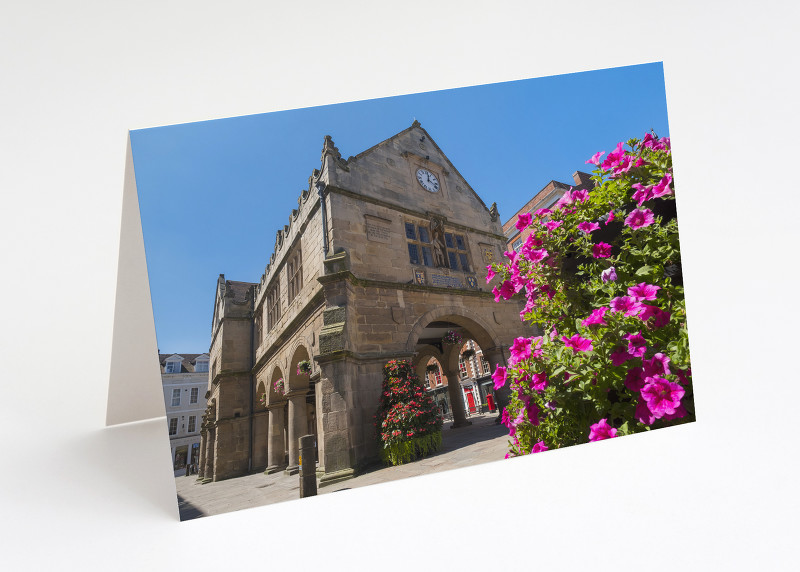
187,510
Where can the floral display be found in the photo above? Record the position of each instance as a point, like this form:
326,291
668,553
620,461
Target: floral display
279,386
452,338
303,367
408,423
600,273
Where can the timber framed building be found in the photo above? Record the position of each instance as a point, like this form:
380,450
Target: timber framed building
385,253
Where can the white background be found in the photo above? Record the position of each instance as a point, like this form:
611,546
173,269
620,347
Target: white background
74,77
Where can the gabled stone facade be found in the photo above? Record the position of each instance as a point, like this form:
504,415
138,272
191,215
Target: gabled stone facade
385,252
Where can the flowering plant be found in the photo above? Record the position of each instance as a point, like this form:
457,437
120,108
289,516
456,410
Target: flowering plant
408,423
279,386
432,368
468,353
600,272
263,399
303,367
452,337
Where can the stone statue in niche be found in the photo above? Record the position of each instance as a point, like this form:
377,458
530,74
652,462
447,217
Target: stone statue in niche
438,244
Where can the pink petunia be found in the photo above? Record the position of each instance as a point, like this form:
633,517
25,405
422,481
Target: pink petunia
499,377
595,159
577,343
643,413
644,291
533,241
627,304
662,188
543,212
601,250
490,273
660,317
580,195
640,219
520,350
523,221
634,380
656,365
506,290
611,216
596,317
535,256
588,227
663,397
637,345
680,412
619,356
601,430
533,412
608,275
553,224
539,381
565,200
614,157
539,447
642,193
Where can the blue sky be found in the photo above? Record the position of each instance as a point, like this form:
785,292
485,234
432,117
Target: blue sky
213,194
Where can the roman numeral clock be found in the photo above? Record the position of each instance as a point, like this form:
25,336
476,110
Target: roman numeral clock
427,180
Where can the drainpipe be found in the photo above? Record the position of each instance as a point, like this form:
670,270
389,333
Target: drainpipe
321,192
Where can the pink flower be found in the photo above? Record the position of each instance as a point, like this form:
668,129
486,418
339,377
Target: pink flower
533,412
683,376
680,412
588,227
565,200
595,160
601,250
506,290
663,397
660,317
535,255
608,275
662,188
511,255
520,350
648,140
630,306
611,216
642,193
533,241
596,317
614,157
580,195
577,343
539,381
640,219
656,365
637,345
499,377
553,224
643,413
539,447
489,273
601,430
619,356
644,291
634,380
523,221
543,212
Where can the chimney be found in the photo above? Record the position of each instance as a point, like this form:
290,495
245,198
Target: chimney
583,179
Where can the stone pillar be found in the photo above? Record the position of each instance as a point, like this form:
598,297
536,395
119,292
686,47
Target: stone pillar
276,451
308,474
260,431
456,400
201,462
298,426
208,472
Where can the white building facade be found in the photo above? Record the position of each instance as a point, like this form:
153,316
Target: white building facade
184,379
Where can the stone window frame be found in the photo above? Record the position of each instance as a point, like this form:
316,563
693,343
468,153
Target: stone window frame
176,398
294,274
257,326
173,426
192,424
418,244
460,252
273,305
194,394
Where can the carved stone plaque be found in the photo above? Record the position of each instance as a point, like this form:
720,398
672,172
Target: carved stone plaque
377,228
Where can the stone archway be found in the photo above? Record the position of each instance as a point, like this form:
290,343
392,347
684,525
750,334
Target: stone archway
276,430
260,426
297,392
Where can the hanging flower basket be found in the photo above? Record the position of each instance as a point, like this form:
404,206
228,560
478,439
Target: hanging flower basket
466,354
279,386
452,338
263,399
432,368
303,367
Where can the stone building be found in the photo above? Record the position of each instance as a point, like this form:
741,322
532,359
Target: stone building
184,379
384,254
474,377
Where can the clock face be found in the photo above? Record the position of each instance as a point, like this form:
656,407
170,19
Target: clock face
428,180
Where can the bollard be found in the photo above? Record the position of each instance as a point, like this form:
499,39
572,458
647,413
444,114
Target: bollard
308,470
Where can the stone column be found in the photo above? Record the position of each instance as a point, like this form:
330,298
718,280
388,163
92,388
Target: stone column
201,462
456,400
208,472
298,426
275,445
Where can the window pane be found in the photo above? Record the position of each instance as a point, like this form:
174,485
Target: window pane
410,232
448,240
464,263
413,253
453,260
176,397
427,257
423,234
460,242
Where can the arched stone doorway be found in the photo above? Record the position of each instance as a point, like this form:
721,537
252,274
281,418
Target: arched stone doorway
276,432
301,405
